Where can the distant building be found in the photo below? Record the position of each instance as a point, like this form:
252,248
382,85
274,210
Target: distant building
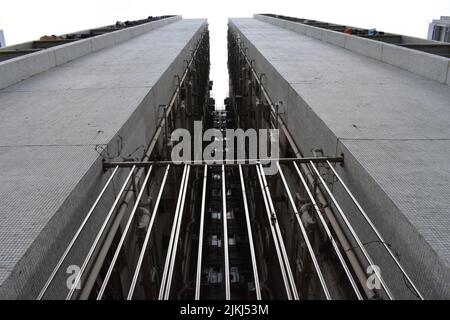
439,29
2,39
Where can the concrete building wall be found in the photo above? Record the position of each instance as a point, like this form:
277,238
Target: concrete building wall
391,125
439,29
53,127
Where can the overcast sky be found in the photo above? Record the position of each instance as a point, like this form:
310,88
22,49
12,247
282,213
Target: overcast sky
27,20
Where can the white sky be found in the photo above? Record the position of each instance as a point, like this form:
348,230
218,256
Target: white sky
23,20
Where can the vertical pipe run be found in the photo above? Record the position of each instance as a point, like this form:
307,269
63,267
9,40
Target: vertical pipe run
172,235
75,237
124,235
366,217
274,237
250,236
225,236
99,235
177,237
147,236
305,236
352,231
279,236
200,238
328,232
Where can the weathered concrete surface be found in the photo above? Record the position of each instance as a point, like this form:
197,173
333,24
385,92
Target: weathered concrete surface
50,126
393,127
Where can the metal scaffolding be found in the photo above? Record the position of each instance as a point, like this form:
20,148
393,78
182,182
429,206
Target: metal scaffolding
174,249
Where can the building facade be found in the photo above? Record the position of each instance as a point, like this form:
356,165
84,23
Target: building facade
439,29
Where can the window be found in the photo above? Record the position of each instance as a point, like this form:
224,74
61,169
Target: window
437,31
216,192
214,275
447,35
234,275
232,241
215,214
230,214
215,241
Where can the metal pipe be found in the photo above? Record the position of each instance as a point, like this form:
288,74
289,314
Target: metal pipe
352,231
99,234
124,234
280,237
225,237
250,237
274,237
200,238
75,237
305,236
378,234
177,237
147,236
172,235
236,162
330,236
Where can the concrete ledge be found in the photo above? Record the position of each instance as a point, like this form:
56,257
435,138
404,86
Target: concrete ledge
365,47
262,18
102,41
21,68
336,38
68,52
422,63
38,62
314,32
122,36
430,66
297,27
